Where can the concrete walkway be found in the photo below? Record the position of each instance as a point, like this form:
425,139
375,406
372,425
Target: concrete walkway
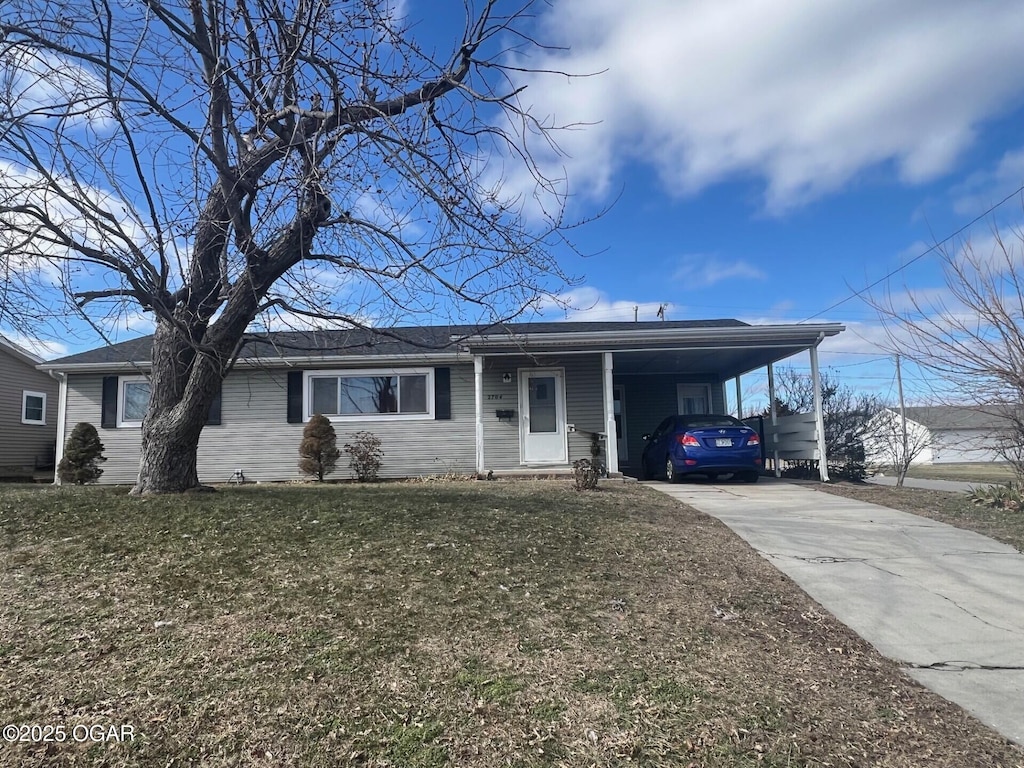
946,603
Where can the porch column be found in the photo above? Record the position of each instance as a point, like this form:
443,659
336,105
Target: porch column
775,420
62,408
478,385
739,399
819,418
611,445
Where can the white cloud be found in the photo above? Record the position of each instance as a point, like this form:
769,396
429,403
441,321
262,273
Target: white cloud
43,87
982,190
129,322
48,350
84,214
799,93
697,271
586,303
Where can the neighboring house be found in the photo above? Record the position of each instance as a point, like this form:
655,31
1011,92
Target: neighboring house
28,411
528,397
945,434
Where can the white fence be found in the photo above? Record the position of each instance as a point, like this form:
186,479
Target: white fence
793,437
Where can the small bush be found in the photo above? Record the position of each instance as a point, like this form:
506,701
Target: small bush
81,454
364,456
319,448
584,474
1010,497
852,470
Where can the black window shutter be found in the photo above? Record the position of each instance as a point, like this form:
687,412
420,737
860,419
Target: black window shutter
213,417
442,393
294,397
108,410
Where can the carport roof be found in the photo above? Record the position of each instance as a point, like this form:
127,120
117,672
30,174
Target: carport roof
727,347
727,350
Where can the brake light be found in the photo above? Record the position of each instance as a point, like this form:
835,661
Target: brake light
687,440
753,440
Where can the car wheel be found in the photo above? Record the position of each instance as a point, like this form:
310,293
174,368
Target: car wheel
751,477
671,475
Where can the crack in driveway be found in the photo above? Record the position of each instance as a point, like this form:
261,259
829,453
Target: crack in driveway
962,666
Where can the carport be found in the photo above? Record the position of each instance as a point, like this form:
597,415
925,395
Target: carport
642,372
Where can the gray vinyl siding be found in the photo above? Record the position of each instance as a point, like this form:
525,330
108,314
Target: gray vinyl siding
649,398
255,436
584,405
25,445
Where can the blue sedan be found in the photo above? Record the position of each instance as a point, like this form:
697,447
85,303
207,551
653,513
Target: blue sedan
705,444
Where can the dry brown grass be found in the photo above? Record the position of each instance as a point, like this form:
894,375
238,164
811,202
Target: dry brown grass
462,624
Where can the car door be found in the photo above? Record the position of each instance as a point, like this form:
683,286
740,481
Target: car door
654,452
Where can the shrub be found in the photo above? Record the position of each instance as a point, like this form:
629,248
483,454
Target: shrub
319,448
1009,497
364,456
81,454
584,474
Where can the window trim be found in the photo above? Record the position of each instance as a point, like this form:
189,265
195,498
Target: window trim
121,382
25,395
307,393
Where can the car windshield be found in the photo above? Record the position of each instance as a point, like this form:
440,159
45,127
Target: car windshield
703,422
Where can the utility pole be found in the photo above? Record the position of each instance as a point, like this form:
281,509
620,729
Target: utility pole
903,416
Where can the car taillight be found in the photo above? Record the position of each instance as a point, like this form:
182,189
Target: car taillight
688,440
753,440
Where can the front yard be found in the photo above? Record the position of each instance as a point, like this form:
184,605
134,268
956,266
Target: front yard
433,624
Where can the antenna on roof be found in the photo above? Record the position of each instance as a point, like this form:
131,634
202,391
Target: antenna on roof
661,312
636,310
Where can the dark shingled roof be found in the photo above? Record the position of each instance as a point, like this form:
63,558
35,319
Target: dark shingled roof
409,341
939,417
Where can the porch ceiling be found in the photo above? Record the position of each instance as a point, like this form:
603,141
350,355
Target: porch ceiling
723,363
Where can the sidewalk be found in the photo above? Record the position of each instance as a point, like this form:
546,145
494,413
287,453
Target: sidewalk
945,603
931,485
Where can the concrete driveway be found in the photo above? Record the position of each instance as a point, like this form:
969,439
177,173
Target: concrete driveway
945,603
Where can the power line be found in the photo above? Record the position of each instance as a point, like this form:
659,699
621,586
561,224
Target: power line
968,225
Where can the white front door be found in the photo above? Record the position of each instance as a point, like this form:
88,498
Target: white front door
693,399
542,430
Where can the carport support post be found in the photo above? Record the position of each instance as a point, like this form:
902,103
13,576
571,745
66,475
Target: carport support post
739,399
478,385
611,444
775,420
819,419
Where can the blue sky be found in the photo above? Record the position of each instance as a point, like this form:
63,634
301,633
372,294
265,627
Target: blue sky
765,159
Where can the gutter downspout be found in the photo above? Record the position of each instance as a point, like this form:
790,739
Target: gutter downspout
819,417
62,407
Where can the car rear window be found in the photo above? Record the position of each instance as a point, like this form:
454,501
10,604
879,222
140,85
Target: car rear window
710,421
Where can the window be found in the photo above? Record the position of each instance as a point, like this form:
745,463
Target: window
132,400
370,394
33,408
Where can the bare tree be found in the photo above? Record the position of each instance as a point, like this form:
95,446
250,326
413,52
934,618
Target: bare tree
220,165
889,442
969,338
845,411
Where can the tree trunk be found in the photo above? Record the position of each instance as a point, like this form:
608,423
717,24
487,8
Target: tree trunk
183,383
168,461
